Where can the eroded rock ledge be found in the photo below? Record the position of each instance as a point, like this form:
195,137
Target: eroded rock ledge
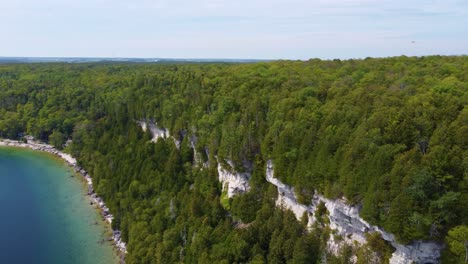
233,182
157,132
343,218
346,221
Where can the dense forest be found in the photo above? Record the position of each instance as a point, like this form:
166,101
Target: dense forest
388,134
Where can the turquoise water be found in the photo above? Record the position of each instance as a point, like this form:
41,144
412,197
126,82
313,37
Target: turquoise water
45,216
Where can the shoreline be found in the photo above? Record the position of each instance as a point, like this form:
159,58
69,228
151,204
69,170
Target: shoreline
96,201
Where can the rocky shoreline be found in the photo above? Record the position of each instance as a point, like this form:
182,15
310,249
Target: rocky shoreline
95,200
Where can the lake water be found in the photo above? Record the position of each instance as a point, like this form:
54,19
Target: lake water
45,216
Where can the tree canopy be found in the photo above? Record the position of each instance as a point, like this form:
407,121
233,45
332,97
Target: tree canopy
388,134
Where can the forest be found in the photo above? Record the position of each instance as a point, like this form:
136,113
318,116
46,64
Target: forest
389,134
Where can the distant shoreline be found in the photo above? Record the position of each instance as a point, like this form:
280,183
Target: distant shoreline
71,162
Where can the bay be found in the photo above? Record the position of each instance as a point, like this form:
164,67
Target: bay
45,216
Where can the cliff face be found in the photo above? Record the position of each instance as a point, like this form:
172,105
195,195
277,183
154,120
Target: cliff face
197,157
346,221
233,182
156,131
343,218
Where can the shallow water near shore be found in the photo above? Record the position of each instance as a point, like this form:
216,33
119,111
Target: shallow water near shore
45,216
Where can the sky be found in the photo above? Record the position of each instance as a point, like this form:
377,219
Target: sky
235,29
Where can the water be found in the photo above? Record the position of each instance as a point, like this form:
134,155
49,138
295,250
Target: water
45,216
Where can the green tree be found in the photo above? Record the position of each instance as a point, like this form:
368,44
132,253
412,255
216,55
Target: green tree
457,242
57,139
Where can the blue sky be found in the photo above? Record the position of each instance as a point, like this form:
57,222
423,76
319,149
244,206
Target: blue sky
262,29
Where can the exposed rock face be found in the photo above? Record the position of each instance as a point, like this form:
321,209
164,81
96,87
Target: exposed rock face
197,158
286,197
418,251
157,132
154,129
343,218
234,182
346,221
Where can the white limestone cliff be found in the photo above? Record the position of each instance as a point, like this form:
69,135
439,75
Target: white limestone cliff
233,182
286,197
350,226
197,157
157,132
344,219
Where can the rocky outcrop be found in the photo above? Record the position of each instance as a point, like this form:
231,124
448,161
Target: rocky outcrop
157,132
197,157
233,182
418,251
344,218
347,223
286,197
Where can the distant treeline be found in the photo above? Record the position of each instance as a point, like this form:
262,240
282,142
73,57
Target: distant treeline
11,60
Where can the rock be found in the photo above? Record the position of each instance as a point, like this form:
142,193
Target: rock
197,157
348,224
157,132
233,182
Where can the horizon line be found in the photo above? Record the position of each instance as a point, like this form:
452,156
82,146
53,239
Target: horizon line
208,59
